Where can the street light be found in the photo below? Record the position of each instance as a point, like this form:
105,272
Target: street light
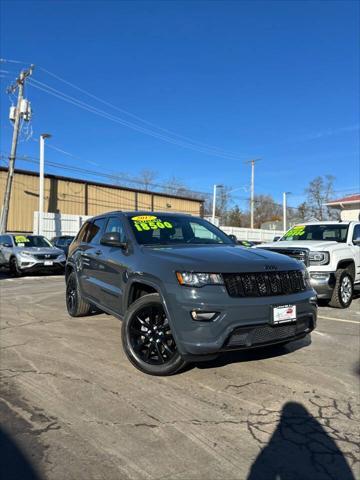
214,203
41,182
284,210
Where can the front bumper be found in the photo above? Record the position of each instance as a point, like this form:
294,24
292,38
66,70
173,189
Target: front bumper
251,315
323,283
39,266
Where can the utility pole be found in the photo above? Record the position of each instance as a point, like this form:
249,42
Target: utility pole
41,182
19,113
252,162
285,210
214,203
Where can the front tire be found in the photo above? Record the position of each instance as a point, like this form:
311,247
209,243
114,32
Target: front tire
75,303
147,339
343,291
14,267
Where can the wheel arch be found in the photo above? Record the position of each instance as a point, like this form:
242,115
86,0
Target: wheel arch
348,264
68,269
138,289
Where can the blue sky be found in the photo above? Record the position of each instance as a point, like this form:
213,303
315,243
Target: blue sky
269,79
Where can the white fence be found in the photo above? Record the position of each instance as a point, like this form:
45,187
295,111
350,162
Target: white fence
252,234
55,224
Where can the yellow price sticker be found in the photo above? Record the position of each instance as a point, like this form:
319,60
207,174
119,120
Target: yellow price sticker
144,218
21,239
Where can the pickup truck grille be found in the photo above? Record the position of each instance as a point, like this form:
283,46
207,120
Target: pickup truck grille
46,256
301,254
264,284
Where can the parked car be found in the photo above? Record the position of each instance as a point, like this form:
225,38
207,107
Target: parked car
331,252
184,290
63,242
24,253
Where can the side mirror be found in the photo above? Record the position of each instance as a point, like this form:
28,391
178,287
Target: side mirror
112,239
233,238
7,245
277,238
356,242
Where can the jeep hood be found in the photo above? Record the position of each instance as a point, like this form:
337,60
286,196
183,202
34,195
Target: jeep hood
310,244
219,259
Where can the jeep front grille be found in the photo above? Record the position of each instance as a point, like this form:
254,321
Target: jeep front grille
264,284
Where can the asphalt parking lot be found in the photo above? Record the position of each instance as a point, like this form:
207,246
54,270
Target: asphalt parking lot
73,407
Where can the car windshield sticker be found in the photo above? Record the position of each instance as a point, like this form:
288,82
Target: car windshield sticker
296,231
244,243
149,222
20,240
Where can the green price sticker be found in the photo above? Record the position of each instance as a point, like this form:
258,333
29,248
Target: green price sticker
149,222
296,231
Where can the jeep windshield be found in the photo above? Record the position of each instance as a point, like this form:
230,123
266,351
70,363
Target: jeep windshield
322,232
31,241
175,230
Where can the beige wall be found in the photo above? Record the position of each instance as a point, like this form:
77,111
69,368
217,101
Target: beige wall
66,196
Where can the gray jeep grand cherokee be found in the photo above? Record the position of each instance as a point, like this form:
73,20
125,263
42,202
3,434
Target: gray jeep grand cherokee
184,290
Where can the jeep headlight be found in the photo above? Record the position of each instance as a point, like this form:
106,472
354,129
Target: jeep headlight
319,258
190,279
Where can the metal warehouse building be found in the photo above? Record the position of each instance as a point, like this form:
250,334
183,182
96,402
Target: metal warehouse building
82,197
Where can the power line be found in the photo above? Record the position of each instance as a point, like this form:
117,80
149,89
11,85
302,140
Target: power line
85,106
136,117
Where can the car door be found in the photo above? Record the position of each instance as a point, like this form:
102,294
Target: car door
114,267
6,247
356,250
91,260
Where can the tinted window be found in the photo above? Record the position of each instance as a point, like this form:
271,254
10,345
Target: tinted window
82,233
329,232
115,225
5,239
356,234
172,230
94,231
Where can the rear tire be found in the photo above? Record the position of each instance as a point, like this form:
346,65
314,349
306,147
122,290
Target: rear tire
147,339
14,267
75,303
343,291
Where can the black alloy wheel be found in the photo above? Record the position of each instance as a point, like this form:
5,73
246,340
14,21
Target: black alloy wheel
147,338
76,305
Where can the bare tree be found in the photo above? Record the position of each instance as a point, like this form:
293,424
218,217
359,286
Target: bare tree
319,192
147,177
266,210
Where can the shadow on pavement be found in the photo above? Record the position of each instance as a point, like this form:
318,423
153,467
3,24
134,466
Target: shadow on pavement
255,354
13,463
300,449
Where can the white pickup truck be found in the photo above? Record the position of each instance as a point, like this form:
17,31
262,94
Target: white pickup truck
331,252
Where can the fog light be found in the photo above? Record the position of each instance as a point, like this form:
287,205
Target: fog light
203,316
320,276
